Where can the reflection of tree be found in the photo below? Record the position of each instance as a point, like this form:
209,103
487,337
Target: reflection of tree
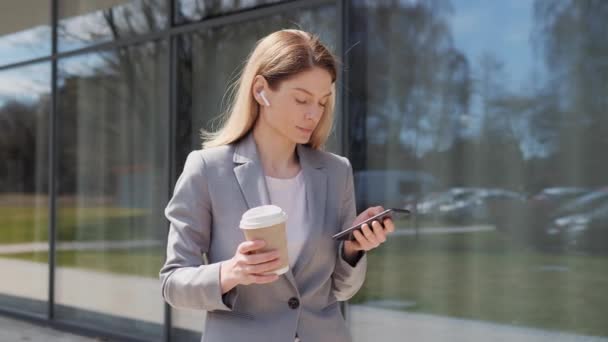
23,133
575,44
199,9
119,21
113,112
126,76
491,89
112,106
408,82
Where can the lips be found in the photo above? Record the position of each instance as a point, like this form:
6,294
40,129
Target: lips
305,130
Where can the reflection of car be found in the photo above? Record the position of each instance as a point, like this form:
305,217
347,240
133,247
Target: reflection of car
503,208
445,201
542,205
547,200
586,231
391,188
584,203
472,205
557,195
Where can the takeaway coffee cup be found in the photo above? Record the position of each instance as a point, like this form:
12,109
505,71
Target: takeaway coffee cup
267,222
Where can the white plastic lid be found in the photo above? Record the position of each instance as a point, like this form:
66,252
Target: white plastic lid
263,216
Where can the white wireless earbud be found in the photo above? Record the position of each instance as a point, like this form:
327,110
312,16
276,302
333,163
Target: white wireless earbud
264,98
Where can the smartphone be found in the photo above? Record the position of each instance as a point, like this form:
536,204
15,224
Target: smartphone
347,234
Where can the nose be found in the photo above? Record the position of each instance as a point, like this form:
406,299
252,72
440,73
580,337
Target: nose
314,113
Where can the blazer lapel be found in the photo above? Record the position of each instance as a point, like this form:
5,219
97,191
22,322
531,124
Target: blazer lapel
315,180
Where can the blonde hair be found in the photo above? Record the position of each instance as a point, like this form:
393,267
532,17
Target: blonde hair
276,57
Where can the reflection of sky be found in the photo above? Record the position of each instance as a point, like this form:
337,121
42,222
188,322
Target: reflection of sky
27,83
501,28
73,33
24,45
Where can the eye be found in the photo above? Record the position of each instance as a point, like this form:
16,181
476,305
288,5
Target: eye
301,101
323,104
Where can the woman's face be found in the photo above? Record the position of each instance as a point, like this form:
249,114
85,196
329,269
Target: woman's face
297,106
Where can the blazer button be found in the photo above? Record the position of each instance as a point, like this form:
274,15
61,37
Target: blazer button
293,303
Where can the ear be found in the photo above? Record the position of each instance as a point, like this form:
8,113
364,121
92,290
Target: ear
259,84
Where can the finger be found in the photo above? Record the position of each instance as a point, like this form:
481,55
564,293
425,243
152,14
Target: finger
263,268
355,244
364,241
263,279
259,258
250,246
389,225
361,240
379,233
369,234
371,211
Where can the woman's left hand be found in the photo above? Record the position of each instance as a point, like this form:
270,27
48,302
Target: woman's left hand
371,237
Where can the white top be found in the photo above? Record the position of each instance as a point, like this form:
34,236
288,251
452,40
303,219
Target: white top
290,194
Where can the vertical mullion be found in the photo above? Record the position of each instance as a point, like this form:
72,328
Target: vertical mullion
342,8
52,143
172,112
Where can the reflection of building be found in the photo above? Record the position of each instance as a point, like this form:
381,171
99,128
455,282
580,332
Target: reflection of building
504,101
131,184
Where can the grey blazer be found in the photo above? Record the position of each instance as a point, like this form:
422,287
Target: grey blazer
216,186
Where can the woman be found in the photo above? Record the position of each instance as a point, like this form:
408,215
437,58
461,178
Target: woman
269,151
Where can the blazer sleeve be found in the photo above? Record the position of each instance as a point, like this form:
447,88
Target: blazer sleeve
186,282
348,276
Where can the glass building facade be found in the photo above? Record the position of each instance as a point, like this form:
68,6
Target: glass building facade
488,119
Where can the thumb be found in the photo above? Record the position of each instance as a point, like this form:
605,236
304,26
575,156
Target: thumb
373,211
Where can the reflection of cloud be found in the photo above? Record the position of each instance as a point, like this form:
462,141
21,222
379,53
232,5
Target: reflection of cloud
24,45
35,35
85,65
25,83
83,28
376,3
93,27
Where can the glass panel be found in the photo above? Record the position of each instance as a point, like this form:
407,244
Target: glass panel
208,61
491,119
195,10
112,188
83,23
24,203
25,30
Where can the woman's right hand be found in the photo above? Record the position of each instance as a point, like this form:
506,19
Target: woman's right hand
246,268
